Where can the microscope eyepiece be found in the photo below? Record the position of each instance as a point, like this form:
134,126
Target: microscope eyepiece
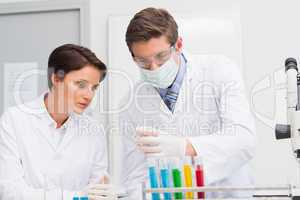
291,63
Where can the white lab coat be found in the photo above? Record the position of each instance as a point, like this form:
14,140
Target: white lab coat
32,160
211,110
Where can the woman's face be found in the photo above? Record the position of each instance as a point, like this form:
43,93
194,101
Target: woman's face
76,91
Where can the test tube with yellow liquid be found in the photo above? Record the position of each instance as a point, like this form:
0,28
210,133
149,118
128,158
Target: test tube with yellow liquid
188,176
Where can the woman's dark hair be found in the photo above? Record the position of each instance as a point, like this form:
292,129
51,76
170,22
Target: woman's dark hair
71,57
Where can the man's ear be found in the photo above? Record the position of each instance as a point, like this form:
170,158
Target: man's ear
179,44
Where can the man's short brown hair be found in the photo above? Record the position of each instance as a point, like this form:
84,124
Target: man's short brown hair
151,23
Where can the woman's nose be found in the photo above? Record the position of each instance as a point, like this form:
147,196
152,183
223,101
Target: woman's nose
88,94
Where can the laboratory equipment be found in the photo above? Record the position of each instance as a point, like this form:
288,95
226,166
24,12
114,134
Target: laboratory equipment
153,177
188,176
165,177
177,177
292,128
199,174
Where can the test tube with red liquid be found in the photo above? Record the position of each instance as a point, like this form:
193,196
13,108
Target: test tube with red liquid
199,178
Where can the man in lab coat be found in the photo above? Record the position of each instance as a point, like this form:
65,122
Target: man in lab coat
185,105
50,148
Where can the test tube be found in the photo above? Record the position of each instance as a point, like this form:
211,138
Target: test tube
199,176
153,177
188,176
176,175
165,177
61,187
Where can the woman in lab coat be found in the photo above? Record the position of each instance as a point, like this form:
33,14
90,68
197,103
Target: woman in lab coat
50,147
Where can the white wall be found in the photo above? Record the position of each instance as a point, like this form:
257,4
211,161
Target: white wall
270,32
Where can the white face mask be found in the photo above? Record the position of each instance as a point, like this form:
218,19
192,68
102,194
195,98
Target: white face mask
162,77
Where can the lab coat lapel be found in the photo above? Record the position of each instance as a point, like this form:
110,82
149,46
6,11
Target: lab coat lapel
46,120
70,133
180,102
164,108
155,100
184,92
46,134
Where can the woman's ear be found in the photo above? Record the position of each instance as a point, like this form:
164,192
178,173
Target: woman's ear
55,80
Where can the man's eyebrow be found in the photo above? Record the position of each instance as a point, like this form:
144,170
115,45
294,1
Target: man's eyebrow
161,52
82,80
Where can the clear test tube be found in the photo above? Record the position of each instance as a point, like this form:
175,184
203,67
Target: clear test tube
45,185
175,165
188,175
153,176
165,176
199,174
61,187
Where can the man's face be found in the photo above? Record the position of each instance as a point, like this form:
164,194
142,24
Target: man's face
155,52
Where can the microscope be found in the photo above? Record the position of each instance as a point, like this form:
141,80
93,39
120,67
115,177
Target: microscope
292,128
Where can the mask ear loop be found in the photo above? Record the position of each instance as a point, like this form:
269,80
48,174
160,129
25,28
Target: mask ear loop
175,55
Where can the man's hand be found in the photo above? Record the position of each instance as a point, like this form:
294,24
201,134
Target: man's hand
157,143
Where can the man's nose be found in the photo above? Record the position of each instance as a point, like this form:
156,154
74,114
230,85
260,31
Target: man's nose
153,65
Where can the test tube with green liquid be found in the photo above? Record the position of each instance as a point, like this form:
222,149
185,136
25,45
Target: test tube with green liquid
177,178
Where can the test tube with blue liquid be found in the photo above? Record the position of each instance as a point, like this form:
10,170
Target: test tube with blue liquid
165,177
153,177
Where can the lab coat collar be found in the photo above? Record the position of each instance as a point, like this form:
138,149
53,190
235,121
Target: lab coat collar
38,109
45,115
190,62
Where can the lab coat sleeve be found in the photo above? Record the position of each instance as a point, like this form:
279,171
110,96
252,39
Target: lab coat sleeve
99,168
12,183
133,172
232,145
